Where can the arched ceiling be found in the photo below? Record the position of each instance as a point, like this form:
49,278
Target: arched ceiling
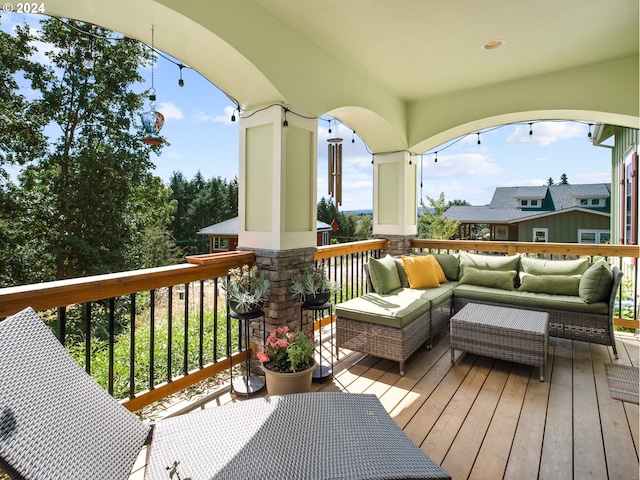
405,75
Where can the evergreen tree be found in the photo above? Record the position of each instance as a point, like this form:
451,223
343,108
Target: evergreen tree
564,180
432,223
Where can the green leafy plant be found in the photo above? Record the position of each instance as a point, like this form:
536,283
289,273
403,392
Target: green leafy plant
246,287
312,281
286,351
173,471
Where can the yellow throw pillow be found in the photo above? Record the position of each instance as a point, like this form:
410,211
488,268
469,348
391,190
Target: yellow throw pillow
420,272
442,278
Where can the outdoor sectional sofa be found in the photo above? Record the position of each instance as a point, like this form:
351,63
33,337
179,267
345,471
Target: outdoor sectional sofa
393,320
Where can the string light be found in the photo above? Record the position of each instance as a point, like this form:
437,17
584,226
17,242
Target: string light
353,136
589,134
180,80
478,133
88,60
436,160
530,128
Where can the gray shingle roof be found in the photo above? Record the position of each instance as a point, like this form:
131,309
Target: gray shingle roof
230,228
503,206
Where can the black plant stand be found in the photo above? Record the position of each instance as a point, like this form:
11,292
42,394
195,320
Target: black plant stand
247,384
322,372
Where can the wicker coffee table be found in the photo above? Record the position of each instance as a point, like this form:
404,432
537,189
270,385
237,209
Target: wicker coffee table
510,334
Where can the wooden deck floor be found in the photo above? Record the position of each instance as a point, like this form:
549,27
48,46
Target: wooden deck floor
488,419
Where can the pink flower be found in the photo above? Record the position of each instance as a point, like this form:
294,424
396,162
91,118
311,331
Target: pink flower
263,357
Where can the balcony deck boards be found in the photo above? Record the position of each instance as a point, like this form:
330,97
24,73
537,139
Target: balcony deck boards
483,418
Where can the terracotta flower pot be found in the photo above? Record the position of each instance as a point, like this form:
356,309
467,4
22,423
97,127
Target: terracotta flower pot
284,383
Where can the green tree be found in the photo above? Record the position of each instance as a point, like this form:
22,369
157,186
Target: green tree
564,180
549,182
431,221
364,230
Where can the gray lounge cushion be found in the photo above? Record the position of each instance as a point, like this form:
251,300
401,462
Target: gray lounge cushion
488,278
596,283
538,266
70,427
552,284
384,274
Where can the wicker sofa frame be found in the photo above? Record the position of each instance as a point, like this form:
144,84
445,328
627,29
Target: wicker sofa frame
399,344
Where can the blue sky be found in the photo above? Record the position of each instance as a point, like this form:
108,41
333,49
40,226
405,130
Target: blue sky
202,138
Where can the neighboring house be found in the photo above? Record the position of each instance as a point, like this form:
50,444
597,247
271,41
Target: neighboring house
223,236
623,143
559,213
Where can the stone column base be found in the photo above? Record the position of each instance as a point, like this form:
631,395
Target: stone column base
397,244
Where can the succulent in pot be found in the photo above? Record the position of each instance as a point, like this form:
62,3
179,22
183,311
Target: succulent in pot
313,286
246,289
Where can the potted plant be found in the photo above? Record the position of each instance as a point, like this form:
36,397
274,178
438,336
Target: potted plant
247,291
313,286
287,361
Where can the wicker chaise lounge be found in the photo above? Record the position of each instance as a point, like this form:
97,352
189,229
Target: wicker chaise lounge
56,422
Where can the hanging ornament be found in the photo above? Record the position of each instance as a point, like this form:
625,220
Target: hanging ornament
152,121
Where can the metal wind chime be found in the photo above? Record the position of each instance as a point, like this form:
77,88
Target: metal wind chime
335,170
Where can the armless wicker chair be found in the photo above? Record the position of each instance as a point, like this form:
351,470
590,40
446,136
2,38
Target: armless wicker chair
56,422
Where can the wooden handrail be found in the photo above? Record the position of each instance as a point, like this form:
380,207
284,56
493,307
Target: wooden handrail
511,248
42,296
330,251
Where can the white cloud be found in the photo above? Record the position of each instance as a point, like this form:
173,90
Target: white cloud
545,133
170,111
202,116
461,165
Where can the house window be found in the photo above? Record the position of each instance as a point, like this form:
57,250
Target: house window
592,202
221,243
325,238
501,233
532,203
594,236
540,234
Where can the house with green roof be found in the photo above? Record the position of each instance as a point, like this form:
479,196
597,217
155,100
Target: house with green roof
560,213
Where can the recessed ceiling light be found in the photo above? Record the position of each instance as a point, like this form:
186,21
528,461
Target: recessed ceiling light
493,44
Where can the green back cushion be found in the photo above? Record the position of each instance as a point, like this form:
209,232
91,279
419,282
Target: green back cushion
551,284
537,266
488,278
384,274
450,265
596,282
402,272
488,262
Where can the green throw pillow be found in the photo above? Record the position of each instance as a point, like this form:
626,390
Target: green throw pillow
596,283
450,264
489,278
551,284
384,274
488,262
402,272
539,266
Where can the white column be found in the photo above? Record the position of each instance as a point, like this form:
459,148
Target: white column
395,178
277,180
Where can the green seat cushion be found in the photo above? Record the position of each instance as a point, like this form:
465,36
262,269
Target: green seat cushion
435,296
596,282
390,310
538,300
538,266
488,262
552,284
489,278
450,264
384,274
